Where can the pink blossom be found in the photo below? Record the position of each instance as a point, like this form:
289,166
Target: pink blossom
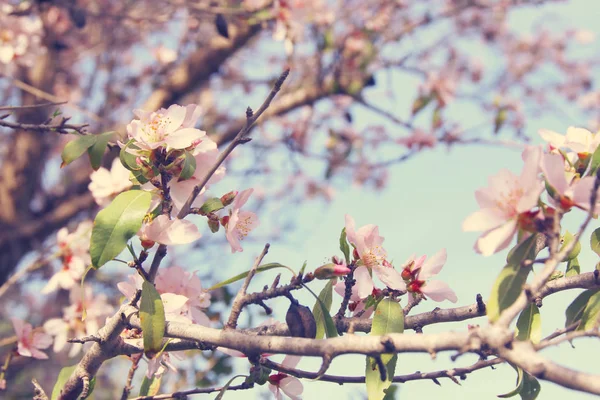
287,384
29,342
169,231
171,128
74,248
240,223
105,184
578,140
569,192
71,324
357,304
417,272
505,204
371,256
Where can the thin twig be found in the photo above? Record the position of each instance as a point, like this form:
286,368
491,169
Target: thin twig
135,360
238,302
17,108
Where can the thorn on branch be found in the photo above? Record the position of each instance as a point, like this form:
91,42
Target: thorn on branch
249,113
435,380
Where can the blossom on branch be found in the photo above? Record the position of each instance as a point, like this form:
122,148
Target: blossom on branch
168,231
285,383
505,205
74,249
240,223
370,256
171,128
416,273
105,184
29,342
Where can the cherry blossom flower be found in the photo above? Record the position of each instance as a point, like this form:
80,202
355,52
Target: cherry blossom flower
74,248
240,223
29,342
105,184
357,304
20,37
171,128
578,140
71,325
371,256
182,290
569,191
417,272
287,384
169,231
505,205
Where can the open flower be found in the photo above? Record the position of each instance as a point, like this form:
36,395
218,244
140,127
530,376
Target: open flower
29,342
105,184
569,191
287,384
416,272
371,256
169,231
240,223
578,140
505,205
171,128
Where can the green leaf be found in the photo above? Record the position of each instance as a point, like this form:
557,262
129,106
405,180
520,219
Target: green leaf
595,241
506,289
224,388
573,268
513,276
376,388
566,240
594,162
519,387
129,160
261,268
531,387
589,318
63,377
302,269
150,387
344,247
527,386
574,312
330,329
211,205
529,324
152,317
526,250
75,148
326,296
116,224
388,318
188,168
96,151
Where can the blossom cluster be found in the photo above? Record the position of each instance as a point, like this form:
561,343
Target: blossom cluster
513,203
20,38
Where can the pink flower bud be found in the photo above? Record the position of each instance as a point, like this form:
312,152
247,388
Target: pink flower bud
228,198
331,270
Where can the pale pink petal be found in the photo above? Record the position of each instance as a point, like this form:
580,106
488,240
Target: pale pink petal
173,302
231,352
19,326
340,288
390,277
180,232
582,191
41,340
242,198
292,387
439,291
496,239
553,167
555,139
364,282
483,220
530,198
531,158
183,138
291,361
276,392
23,350
192,113
174,117
485,198
350,229
40,355
433,265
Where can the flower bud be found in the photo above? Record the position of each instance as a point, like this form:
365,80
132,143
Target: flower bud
406,274
213,225
331,270
147,244
228,198
225,220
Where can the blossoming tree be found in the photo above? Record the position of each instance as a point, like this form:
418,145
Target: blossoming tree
87,263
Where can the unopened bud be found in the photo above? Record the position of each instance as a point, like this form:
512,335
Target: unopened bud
147,244
331,270
336,260
213,225
225,220
406,275
355,254
228,198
